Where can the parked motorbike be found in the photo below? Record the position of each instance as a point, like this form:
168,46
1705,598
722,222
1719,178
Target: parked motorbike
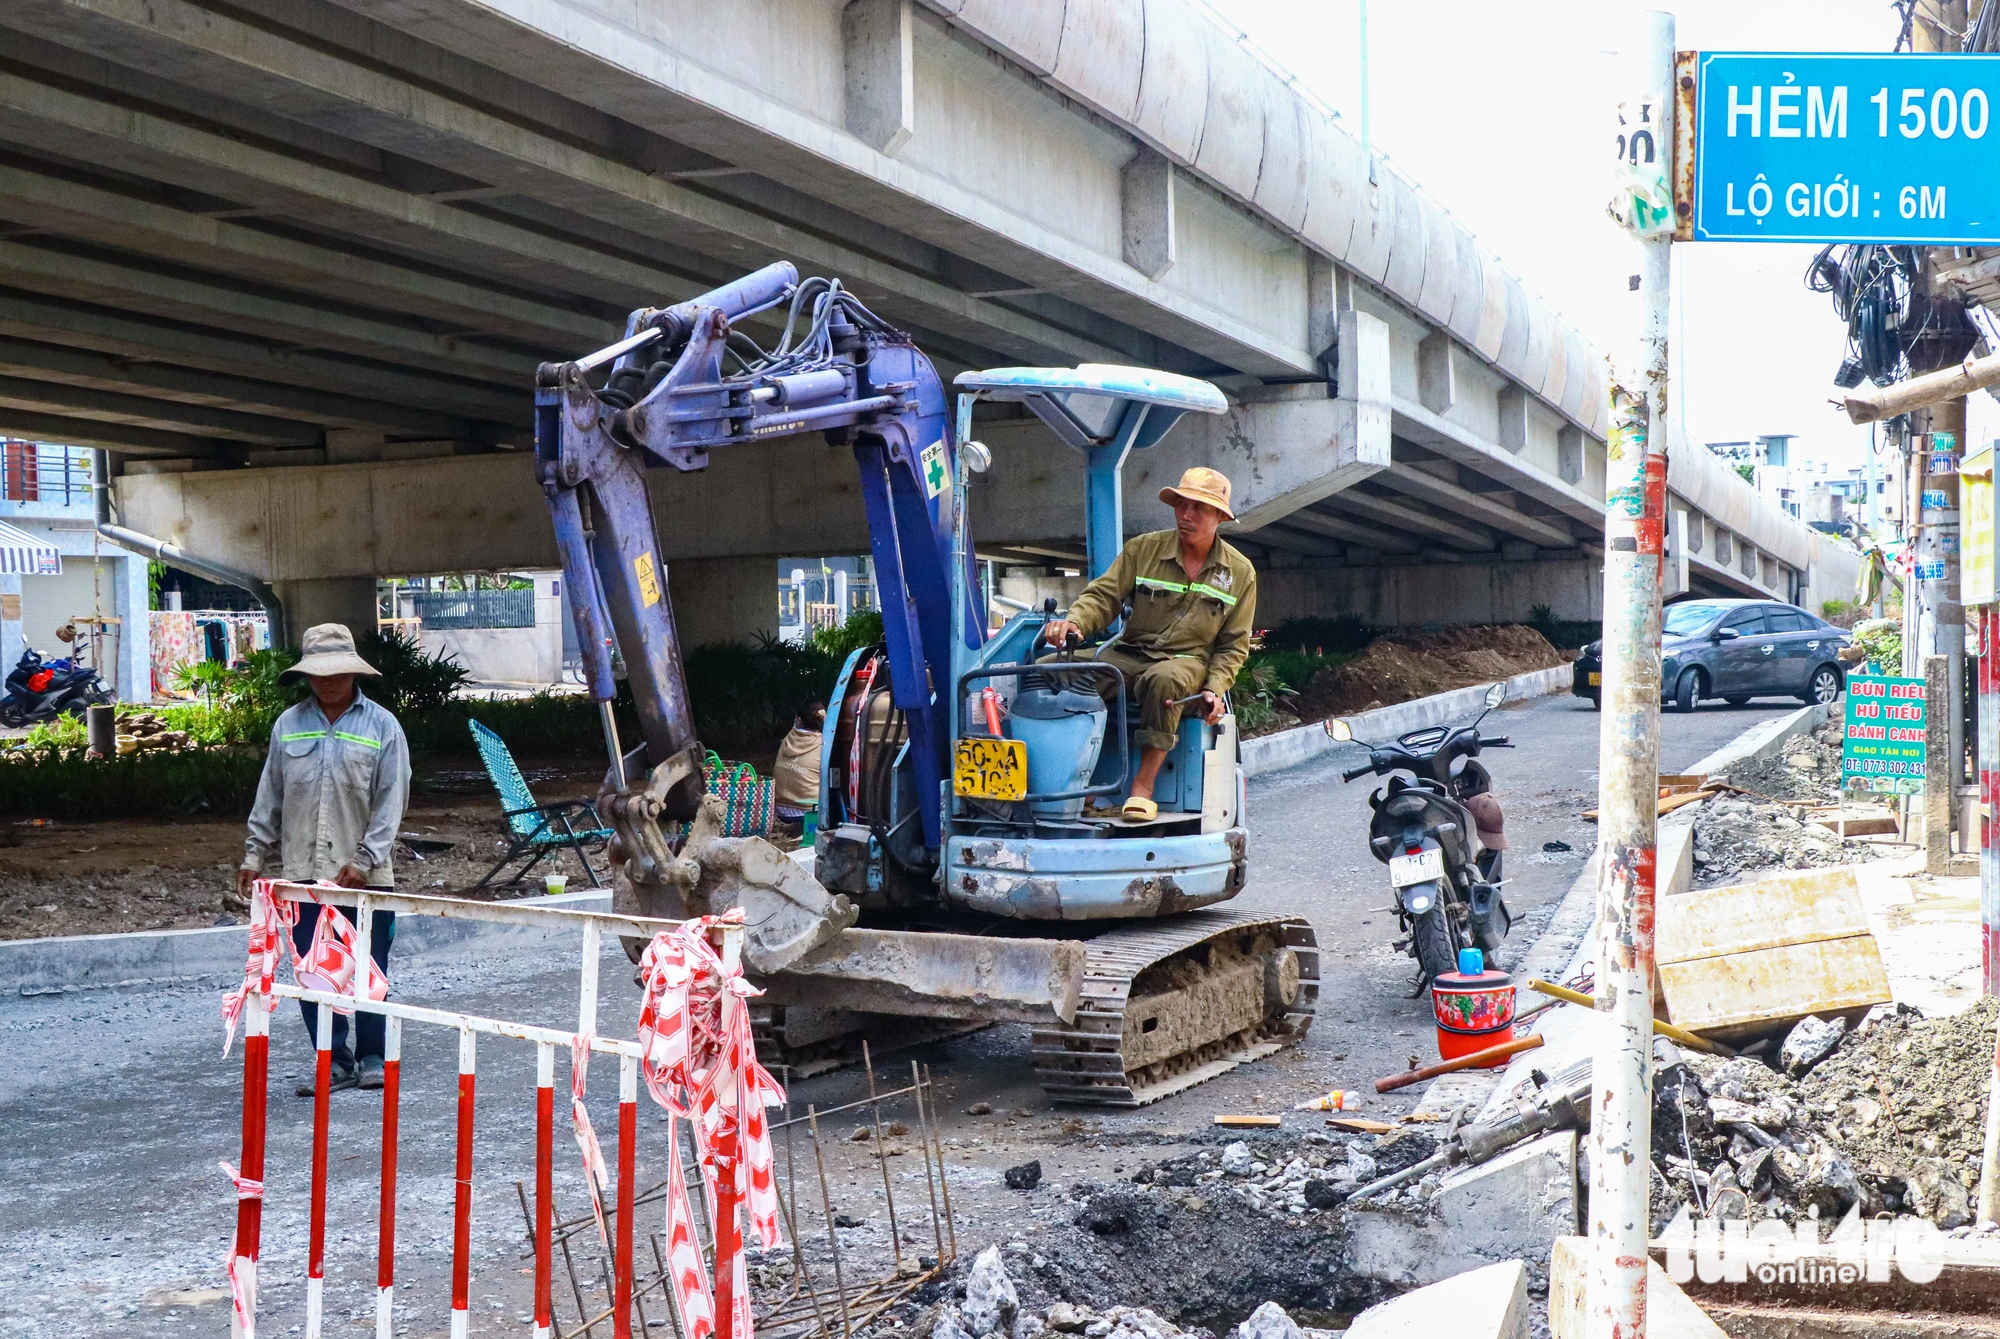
39,690
1441,833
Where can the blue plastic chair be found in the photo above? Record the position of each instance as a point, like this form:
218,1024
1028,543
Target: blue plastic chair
533,829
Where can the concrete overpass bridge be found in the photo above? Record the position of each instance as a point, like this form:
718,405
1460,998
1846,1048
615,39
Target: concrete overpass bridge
292,263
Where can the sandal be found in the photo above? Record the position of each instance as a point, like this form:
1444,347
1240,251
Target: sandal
1138,810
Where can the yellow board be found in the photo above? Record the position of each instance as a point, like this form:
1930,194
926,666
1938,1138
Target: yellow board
1975,511
1596,679
1772,988
1796,907
990,769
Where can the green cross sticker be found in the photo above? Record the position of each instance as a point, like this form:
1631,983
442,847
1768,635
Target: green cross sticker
933,468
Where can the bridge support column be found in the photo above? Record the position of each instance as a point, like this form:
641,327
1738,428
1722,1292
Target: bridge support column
349,600
723,599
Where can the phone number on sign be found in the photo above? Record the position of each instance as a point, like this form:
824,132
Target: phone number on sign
1883,766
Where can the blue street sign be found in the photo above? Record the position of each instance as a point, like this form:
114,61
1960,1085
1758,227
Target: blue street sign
1834,147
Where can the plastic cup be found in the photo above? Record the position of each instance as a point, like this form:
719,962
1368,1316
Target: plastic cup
555,883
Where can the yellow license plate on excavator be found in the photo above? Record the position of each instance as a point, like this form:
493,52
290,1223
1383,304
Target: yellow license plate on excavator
990,769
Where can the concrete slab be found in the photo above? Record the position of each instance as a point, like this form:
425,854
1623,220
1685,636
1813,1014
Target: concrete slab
1670,1314
1510,1209
1489,1303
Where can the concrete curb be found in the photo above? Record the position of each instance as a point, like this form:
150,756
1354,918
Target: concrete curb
1289,748
152,958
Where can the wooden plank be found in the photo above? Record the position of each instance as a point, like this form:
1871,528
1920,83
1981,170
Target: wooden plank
1250,1122
1790,908
1774,985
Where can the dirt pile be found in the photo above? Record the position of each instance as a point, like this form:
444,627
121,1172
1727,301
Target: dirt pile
1890,1120
1740,833
1400,666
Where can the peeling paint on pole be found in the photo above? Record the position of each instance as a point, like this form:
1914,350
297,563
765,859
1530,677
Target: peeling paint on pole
1629,738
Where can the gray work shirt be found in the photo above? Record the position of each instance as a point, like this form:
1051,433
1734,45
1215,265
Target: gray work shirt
332,794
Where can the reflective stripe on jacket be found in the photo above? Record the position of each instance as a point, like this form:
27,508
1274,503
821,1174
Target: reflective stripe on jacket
332,794
1208,616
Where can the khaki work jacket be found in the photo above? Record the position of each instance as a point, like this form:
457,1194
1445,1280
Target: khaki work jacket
1208,617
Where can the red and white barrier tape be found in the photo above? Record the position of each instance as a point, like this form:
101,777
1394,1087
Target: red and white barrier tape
595,1174
700,1064
239,1287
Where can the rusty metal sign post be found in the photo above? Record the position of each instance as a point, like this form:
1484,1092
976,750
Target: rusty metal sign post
1629,749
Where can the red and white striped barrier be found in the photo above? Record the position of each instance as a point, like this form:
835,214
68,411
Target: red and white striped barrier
701,1067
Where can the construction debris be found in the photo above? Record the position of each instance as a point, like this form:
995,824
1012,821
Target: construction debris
1889,1118
1770,815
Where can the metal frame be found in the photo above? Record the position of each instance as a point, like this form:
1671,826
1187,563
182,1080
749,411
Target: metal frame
258,1008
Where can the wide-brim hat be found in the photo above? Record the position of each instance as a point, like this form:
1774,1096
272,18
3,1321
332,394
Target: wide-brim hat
328,648
1202,485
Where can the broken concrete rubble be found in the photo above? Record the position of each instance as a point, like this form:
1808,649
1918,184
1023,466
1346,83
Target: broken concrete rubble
1889,1119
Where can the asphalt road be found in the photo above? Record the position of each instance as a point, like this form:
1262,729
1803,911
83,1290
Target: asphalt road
115,1108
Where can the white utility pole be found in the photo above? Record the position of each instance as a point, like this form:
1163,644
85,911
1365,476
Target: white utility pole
1635,485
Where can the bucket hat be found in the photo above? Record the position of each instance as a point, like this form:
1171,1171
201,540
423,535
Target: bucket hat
1201,484
328,648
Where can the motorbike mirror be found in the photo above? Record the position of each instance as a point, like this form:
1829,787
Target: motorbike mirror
978,458
1339,729
1496,695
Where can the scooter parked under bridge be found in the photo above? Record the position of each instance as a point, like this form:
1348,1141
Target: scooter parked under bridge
1441,833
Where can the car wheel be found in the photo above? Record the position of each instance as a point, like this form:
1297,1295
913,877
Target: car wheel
1825,686
1736,701
1596,701
1688,690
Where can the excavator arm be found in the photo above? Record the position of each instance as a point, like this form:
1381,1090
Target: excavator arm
685,381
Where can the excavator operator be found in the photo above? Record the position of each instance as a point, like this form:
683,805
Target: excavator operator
1193,599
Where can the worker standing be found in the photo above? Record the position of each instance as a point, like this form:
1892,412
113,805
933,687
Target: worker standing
328,807
1193,600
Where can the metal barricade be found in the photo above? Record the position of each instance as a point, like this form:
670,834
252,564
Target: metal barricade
257,1011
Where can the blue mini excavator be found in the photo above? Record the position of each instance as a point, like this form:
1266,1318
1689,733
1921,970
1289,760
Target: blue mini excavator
962,872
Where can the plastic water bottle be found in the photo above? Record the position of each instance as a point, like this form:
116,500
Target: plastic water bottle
1339,1099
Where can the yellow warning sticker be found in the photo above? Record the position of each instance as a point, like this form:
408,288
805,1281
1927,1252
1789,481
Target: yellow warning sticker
649,583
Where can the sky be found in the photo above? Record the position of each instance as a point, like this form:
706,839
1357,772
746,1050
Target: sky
1502,111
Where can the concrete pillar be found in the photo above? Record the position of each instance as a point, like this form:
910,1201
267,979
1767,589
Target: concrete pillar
12,642
1146,207
723,599
132,603
877,44
349,600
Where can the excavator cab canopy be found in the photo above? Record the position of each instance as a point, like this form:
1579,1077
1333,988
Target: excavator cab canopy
1091,405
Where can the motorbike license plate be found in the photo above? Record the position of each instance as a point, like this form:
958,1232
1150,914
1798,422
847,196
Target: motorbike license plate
1596,678
990,769
1422,867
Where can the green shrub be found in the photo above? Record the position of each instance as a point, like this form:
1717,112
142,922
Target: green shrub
411,679
61,783
862,628
744,696
1256,694
1565,634
1347,633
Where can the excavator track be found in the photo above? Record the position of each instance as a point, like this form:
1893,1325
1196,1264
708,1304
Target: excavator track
1225,987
